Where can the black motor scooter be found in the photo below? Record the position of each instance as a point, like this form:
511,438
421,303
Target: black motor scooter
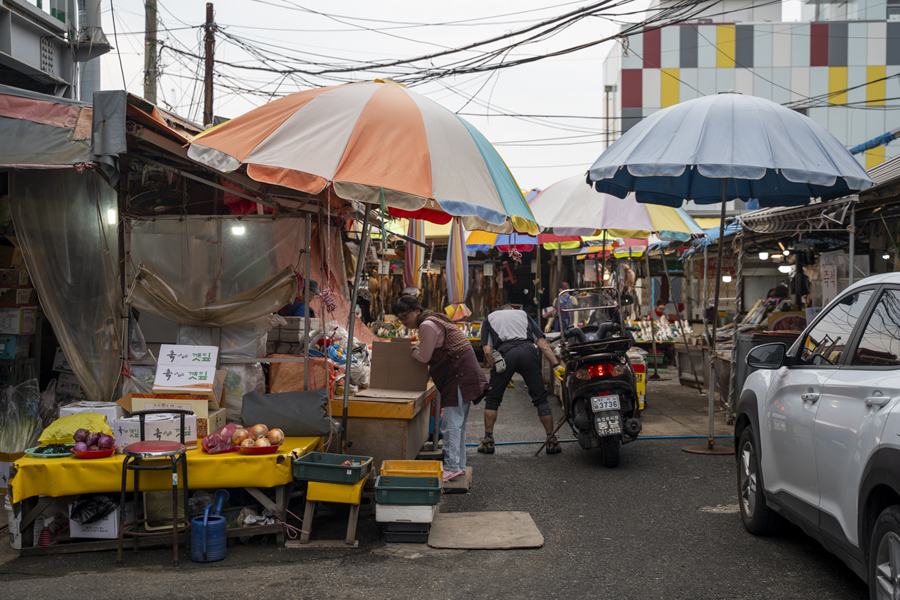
599,390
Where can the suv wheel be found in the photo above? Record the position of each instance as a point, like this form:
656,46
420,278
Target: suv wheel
758,518
884,556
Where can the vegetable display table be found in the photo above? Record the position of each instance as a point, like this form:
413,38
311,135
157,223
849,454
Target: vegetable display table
31,478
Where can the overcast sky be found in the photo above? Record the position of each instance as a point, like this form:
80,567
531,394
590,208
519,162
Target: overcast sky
539,151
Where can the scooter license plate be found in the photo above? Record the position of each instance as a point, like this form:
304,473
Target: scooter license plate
608,423
601,403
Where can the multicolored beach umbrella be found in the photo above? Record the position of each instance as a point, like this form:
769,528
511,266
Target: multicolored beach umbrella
365,139
569,207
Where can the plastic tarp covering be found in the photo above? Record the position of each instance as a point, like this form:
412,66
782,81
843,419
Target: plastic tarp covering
49,132
213,272
151,293
72,252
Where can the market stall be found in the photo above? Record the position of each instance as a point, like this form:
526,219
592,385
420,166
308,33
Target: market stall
35,482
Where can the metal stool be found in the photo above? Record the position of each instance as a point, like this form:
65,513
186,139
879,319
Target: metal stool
135,456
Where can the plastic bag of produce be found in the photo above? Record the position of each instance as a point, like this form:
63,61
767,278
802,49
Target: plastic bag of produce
219,441
20,421
90,509
62,430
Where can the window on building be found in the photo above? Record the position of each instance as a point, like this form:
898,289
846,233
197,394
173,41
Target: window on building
893,10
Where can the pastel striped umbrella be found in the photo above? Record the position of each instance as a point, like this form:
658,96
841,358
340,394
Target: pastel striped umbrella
457,273
373,142
569,207
414,255
483,241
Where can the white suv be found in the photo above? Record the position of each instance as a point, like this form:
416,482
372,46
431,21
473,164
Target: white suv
817,434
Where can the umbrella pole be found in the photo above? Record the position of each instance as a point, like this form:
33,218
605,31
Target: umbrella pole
603,254
655,376
537,285
306,303
559,278
360,259
710,447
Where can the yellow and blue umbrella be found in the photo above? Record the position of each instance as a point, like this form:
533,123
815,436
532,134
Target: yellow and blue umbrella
457,273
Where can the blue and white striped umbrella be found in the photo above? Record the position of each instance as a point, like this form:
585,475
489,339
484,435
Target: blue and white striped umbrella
761,149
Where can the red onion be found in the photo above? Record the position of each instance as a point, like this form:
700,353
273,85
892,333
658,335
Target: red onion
106,442
81,435
81,447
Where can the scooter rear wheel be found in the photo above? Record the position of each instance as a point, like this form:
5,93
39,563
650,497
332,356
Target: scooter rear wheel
609,449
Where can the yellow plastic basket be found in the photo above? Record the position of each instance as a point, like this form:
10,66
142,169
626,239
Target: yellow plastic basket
412,468
340,493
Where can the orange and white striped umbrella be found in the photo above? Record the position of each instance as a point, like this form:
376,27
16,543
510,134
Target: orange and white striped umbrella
374,142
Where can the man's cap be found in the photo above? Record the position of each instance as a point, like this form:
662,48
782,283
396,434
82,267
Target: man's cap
314,287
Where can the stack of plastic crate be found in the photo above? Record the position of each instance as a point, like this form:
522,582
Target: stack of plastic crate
407,493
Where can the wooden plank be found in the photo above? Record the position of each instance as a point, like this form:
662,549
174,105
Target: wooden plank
460,484
321,544
163,541
276,510
397,395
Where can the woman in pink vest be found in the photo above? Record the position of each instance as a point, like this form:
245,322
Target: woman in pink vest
455,372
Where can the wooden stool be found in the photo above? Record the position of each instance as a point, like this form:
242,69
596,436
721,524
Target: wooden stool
338,493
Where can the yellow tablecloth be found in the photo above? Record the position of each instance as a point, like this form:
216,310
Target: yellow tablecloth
71,475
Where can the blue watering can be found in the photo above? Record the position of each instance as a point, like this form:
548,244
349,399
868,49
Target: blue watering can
208,532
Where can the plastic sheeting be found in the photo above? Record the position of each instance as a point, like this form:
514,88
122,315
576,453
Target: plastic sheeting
151,293
71,250
216,267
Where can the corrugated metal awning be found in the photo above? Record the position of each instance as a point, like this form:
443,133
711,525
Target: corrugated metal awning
814,216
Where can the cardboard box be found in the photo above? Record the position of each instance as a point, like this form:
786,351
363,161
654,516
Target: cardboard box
14,277
203,381
6,460
394,368
69,385
11,257
18,320
215,420
106,528
156,427
14,346
199,404
191,356
110,410
18,296
60,362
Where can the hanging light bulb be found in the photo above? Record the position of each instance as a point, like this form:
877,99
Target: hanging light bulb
606,276
238,230
111,216
785,268
726,278
787,252
886,256
763,256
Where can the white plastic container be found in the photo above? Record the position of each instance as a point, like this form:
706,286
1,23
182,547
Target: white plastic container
15,533
401,513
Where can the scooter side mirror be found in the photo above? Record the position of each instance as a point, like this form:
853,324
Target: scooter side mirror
627,300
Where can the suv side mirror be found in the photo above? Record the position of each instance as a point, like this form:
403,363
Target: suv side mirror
767,356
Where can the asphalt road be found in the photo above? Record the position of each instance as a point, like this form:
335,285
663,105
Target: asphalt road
662,525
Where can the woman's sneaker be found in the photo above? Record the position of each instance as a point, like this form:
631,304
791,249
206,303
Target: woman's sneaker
553,446
486,446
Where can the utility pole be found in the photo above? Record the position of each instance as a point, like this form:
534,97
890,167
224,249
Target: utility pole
150,20
208,78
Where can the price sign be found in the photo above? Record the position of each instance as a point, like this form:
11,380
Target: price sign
829,283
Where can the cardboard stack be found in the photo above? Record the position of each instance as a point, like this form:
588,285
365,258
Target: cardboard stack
186,379
394,368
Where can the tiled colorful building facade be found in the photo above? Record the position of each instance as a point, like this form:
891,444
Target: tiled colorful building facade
839,73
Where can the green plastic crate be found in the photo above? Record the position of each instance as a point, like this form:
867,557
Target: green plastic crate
328,468
394,489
